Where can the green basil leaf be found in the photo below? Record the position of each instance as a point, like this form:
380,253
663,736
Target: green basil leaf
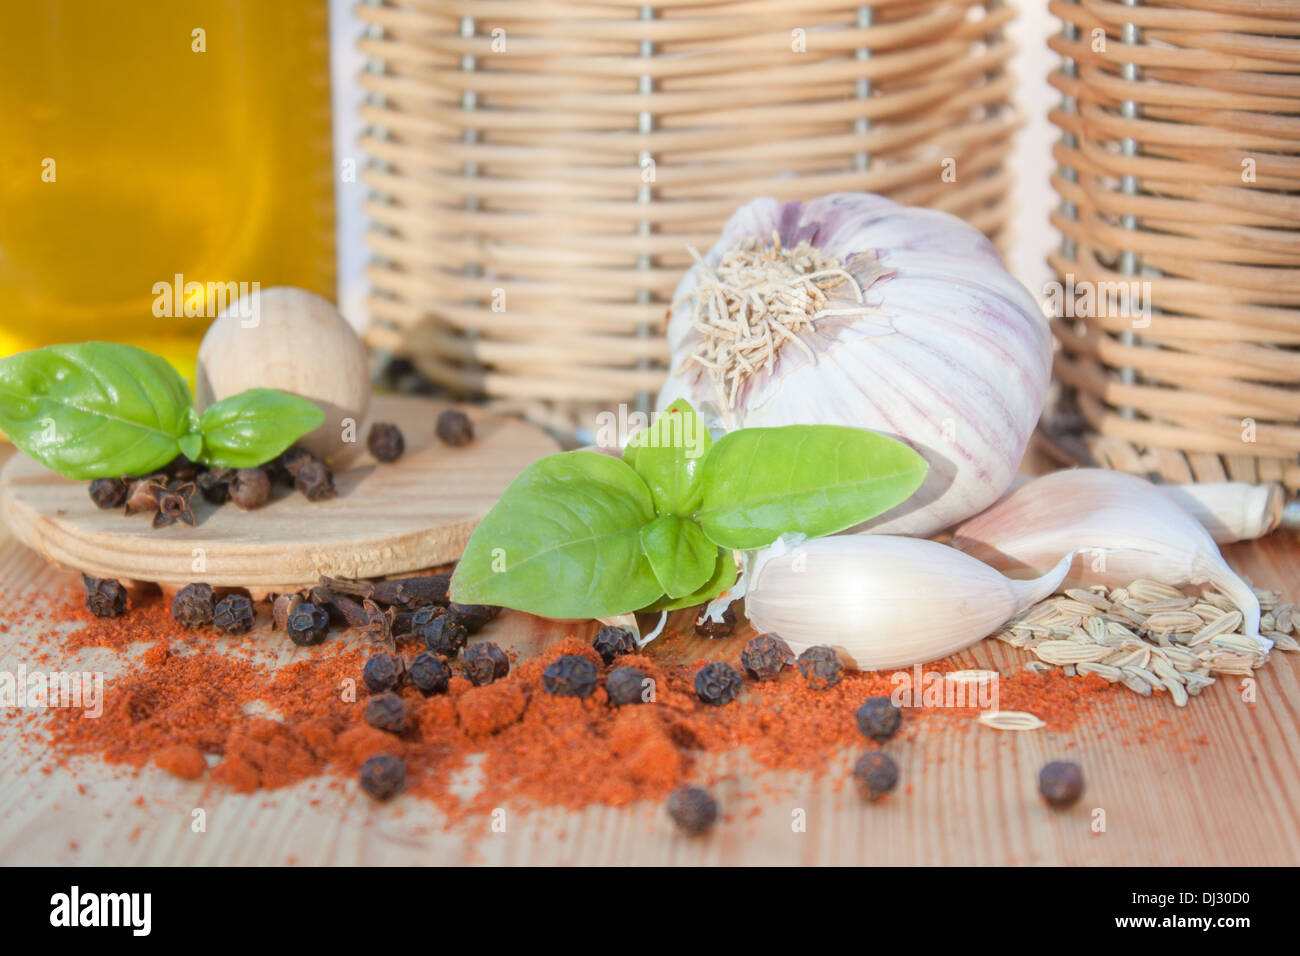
251,428
761,483
669,455
679,554
724,576
563,541
95,409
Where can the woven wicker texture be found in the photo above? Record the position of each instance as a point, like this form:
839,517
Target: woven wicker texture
539,169
1179,168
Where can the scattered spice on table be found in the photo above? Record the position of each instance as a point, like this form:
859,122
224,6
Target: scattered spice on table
693,810
876,774
385,441
455,428
264,724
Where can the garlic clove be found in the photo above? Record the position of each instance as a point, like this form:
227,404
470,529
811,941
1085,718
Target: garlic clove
884,601
1231,510
1119,526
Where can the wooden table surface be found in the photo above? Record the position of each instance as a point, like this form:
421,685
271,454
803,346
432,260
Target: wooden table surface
1216,785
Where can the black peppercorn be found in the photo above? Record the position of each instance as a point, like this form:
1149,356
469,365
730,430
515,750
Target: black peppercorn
307,625
485,663
472,617
290,460
611,641
385,441
821,667
386,711
718,683
626,685
878,718
214,485
315,480
705,626
193,605
570,676
455,428
108,492
383,672
249,488
445,635
765,656
234,614
693,810
876,774
429,673
383,776
105,597
1060,783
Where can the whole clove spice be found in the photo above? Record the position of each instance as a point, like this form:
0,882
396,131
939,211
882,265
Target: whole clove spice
385,441
611,641
174,504
383,776
307,624
234,614
108,492
315,480
383,672
429,673
485,663
386,711
105,597
765,656
250,488
821,667
411,593
455,428
705,626
194,605
693,810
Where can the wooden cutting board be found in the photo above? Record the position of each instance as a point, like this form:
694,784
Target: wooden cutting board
415,513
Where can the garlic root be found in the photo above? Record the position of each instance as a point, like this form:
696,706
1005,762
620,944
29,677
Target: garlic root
886,601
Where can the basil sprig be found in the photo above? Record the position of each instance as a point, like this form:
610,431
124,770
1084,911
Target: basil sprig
103,410
581,534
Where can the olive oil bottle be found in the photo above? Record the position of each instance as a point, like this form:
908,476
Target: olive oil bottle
148,146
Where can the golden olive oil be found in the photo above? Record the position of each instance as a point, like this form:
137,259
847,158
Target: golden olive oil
148,144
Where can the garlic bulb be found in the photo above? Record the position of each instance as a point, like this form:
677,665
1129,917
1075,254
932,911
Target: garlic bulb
885,601
853,310
1119,526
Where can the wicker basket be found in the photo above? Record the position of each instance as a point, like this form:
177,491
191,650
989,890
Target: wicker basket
1179,170
539,169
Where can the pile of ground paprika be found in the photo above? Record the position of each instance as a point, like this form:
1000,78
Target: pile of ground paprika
219,709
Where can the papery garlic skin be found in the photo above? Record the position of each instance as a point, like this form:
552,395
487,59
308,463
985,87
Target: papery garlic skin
885,601
1120,527
949,353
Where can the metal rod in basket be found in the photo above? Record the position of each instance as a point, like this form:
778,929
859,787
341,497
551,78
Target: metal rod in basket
862,90
1070,107
469,136
644,195
1129,263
